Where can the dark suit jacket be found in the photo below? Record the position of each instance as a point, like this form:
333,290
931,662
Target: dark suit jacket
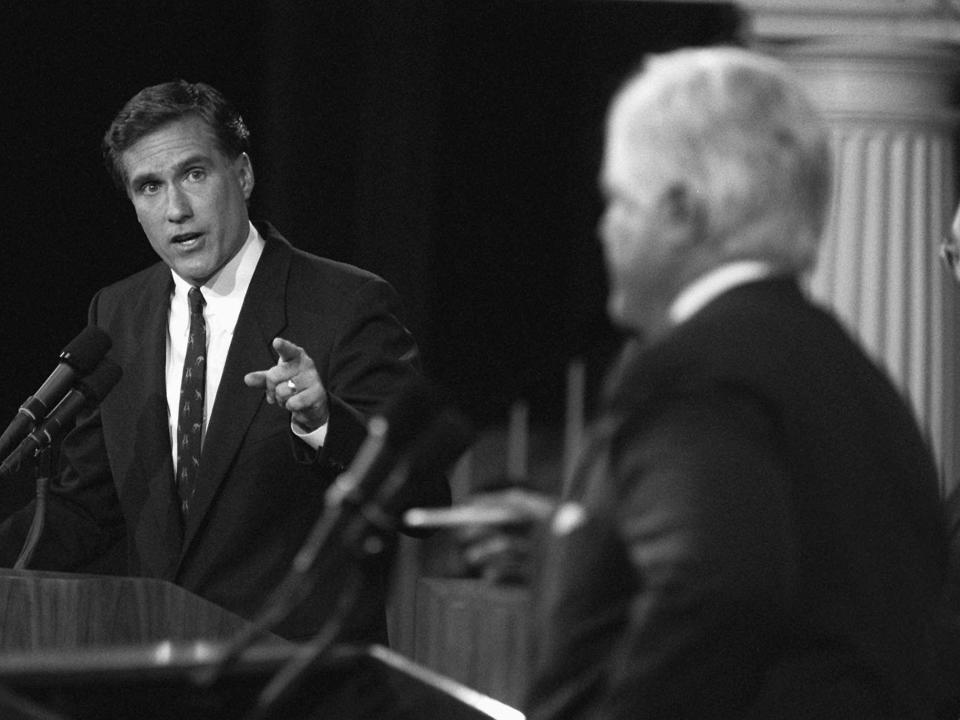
260,489
754,532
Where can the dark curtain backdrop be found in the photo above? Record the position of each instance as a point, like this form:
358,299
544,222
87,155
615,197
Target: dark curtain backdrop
451,146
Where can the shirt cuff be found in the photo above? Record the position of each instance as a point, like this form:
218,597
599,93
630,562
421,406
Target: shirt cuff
314,439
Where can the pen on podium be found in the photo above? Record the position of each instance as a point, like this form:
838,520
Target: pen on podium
463,516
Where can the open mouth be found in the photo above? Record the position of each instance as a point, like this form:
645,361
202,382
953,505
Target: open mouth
185,238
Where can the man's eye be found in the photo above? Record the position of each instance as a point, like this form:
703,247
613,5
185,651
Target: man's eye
149,188
196,174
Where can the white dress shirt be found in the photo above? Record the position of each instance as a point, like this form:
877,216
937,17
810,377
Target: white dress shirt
224,294
711,285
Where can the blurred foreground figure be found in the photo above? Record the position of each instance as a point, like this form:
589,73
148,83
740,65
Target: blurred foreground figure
754,529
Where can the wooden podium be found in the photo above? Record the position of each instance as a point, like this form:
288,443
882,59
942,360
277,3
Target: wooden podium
86,647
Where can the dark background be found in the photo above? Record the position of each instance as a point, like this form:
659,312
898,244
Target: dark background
450,146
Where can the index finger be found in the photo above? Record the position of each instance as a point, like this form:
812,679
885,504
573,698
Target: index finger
287,350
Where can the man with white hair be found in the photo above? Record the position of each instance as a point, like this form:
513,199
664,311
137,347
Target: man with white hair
753,530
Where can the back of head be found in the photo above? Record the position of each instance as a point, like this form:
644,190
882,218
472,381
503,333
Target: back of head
157,105
735,132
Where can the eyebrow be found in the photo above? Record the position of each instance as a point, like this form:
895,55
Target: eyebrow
195,159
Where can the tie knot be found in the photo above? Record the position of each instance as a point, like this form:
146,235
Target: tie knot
195,298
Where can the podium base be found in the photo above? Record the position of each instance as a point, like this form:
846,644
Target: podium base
158,682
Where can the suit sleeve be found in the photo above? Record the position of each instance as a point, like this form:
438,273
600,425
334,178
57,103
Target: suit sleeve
704,517
373,356
662,578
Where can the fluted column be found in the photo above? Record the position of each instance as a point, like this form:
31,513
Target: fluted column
889,103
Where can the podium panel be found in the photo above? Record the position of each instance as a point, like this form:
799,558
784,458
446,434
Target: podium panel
48,610
84,647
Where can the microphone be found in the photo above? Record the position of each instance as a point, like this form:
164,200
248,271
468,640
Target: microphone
88,392
378,508
365,519
79,357
415,433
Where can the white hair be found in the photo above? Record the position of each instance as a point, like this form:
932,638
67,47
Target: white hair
733,130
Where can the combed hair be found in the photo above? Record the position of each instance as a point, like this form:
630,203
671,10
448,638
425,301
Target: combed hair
737,132
158,105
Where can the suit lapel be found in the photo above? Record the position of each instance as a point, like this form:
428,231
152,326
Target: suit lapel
143,394
261,319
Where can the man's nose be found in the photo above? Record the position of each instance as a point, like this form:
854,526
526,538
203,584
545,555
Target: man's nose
178,205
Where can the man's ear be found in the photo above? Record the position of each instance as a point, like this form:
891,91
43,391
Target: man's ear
685,211
245,173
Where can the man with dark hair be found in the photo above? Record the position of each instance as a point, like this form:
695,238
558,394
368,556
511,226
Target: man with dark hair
159,104
249,371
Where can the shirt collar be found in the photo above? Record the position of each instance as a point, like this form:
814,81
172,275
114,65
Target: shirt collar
705,288
234,277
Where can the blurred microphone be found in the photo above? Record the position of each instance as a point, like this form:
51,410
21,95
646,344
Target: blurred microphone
78,358
367,517
378,509
417,434
390,433
87,392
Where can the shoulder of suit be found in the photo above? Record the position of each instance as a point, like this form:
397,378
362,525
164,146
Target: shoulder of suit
303,260
741,339
157,275
333,267
322,276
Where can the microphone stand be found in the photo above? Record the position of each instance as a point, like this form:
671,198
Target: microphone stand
287,679
36,527
300,579
364,535
359,523
41,471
